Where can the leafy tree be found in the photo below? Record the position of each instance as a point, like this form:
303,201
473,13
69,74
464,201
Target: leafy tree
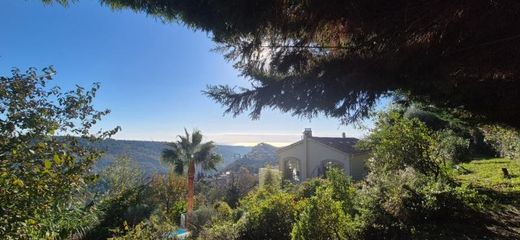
397,142
232,195
124,197
222,230
308,188
153,228
125,208
245,181
269,215
190,151
223,210
343,189
322,218
450,148
123,174
271,181
505,140
169,191
41,173
339,57
238,185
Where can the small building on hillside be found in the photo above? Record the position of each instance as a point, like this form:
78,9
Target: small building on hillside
311,156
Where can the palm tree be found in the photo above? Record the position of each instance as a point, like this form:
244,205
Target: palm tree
191,152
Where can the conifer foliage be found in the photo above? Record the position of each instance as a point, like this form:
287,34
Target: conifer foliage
339,57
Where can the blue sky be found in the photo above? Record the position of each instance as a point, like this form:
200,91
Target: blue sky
151,73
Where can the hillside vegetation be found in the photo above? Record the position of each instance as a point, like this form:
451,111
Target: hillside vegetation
501,213
260,155
148,153
487,174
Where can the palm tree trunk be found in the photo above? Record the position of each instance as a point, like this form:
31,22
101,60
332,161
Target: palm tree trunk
191,190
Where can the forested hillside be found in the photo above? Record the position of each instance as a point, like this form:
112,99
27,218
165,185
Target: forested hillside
261,155
148,153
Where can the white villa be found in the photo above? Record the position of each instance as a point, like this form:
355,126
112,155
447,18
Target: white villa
310,157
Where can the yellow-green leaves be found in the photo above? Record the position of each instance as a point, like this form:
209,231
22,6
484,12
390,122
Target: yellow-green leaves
58,159
47,164
18,182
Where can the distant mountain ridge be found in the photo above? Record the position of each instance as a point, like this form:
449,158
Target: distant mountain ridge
260,155
148,153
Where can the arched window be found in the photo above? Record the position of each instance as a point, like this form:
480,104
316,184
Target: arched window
330,163
292,169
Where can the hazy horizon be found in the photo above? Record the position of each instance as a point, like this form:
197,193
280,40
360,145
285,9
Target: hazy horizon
251,139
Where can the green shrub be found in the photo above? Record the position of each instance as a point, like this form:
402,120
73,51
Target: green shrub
223,210
505,140
343,189
156,227
448,147
268,215
202,216
407,203
397,143
130,207
168,192
323,218
269,179
308,188
430,119
222,230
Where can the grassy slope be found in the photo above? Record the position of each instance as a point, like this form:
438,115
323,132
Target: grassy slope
488,174
502,217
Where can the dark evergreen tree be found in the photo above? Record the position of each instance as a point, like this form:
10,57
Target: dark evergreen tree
339,57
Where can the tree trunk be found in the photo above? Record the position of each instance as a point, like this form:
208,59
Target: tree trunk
191,190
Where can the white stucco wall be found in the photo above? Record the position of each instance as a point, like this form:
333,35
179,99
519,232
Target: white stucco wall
312,154
296,151
319,152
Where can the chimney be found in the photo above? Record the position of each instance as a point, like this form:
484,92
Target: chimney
343,135
307,133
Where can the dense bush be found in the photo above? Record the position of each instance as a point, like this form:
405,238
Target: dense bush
158,226
122,174
430,119
400,204
397,143
269,215
406,203
323,218
263,214
308,188
448,147
505,141
202,216
223,210
407,193
130,207
222,230
122,198
343,190
168,192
